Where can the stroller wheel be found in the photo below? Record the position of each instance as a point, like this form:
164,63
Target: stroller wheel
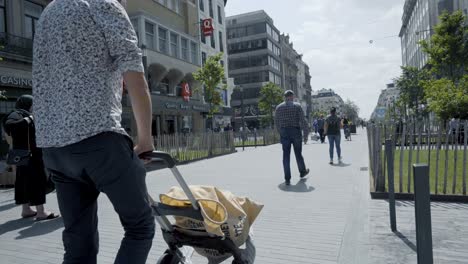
168,258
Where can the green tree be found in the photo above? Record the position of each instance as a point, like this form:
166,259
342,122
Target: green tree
448,99
270,96
211,75
351,110
447,91
410,84
448,47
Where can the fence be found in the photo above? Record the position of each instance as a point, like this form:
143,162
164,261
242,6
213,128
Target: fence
257,138
188,147
443,146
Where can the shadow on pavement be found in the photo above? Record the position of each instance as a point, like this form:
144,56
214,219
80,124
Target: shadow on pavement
406,240
341,165
15,225
7,206
299,187
41,228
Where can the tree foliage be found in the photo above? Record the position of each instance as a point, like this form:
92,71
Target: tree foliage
410,84
447,91
448,99
211,75
448,47
351,110
270,96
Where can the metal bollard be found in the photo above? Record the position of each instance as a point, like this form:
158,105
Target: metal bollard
391,182
422,207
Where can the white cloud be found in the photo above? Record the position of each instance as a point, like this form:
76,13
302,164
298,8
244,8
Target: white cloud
334,37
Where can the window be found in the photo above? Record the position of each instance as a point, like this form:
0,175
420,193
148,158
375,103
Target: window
175,45
176,6
221,43
149,34
162,40
247,46
2,16
202,36
203,57
202,5
210,3
213,41
185,51
220,15
32,12
194,52
271,77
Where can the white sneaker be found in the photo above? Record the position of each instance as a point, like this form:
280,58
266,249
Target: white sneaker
340,159
331,162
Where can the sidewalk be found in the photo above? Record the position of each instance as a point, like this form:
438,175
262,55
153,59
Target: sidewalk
327,219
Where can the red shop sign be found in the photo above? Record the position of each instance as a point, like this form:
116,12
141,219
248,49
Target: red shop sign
207,27
186,92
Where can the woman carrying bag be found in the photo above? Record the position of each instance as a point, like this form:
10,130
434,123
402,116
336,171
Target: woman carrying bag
31,181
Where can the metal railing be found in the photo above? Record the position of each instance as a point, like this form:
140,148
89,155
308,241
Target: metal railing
195,146
256,138
16,45
442,145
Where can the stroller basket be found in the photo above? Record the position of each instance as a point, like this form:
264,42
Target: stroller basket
177,238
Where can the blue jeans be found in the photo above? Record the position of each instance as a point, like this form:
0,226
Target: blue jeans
105,164
292,136
334,140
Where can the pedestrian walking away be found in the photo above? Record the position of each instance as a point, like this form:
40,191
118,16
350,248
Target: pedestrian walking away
289,121
347,130
321,128
333,127
77,85
31,179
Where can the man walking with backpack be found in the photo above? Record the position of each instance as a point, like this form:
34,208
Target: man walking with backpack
333,127
289,121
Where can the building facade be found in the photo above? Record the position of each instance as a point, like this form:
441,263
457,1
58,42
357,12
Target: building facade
387,99
254,60
214,44
323,100
418,22
18,19
296,76
168,33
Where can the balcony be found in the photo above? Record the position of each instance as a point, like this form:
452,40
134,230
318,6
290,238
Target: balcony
14,47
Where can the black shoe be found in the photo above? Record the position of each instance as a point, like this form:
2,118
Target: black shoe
304,173
287,183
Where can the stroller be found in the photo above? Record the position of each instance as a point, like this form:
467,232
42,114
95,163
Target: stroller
347,132
181,241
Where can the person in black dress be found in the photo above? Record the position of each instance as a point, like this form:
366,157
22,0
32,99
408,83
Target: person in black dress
31,179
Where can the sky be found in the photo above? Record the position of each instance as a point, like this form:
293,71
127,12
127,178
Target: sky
334,37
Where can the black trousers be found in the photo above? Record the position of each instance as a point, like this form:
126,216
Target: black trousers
104,163
322,136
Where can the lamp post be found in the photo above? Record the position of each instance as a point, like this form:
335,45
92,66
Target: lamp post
243,115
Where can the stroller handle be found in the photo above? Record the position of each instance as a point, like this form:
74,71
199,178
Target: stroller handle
170,162
157,156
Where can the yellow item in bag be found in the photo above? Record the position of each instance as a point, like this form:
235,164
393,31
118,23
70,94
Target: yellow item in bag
224,214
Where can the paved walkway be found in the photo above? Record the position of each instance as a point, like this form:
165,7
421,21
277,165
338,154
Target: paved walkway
327,219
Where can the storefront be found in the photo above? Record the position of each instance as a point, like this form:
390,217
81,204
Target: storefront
171,115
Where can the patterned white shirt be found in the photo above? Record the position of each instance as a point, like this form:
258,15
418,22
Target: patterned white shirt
81,50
